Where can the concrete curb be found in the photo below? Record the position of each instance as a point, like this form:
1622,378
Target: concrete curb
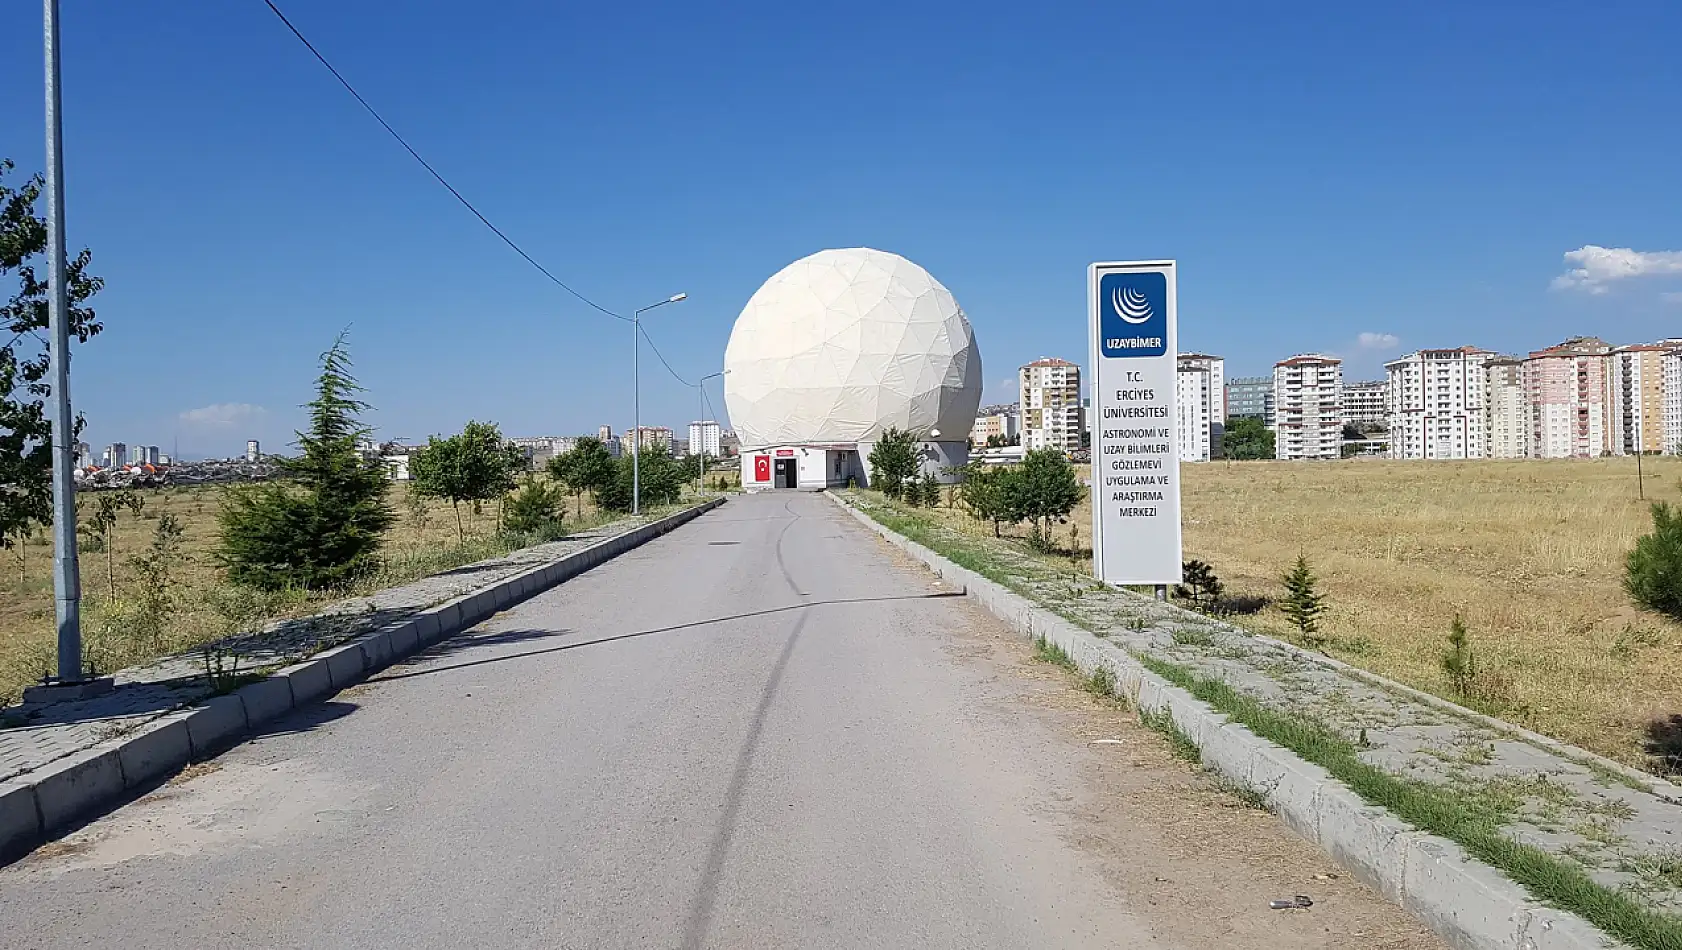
82,786
1469,904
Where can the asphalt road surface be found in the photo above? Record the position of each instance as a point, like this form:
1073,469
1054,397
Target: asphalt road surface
765,729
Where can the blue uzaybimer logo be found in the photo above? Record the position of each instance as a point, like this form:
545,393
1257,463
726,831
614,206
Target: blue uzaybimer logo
1133,314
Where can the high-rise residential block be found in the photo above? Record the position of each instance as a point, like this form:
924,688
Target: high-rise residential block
253,450
1436,404
116,455
1569,390
1507,413
1049,397
1637,411
1250,397
1365,403
704,438
1670,368
1307,423
1200,397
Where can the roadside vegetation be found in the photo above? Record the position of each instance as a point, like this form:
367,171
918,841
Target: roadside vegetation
1538,560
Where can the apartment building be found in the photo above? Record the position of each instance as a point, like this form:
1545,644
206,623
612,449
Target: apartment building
996,422
1250,397
1638,398
1050,406
1200,396
1364,403
653,437
1506,409
705,438
1436,404
1306,419
1671,370
1568,388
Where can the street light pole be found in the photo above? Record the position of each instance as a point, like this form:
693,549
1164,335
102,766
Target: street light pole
636,401
67,583
702,386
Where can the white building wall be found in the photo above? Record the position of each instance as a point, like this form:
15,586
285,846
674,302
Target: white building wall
1507,420
1672,366
704,438
1306,417
1436,408
1210,395
1192,387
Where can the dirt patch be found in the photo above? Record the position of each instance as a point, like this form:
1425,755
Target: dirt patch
1198,863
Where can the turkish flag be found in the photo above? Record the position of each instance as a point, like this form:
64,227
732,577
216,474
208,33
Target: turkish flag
762,468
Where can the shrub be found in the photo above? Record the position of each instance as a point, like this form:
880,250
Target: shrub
536,509
987,492
1653,568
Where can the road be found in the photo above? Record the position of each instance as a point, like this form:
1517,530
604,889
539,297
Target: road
765,729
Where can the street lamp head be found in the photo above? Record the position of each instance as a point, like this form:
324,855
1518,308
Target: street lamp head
676,297
934,433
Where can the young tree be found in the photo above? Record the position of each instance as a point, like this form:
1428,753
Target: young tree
586,467
1246,439
536,509
1458,661
102,525
1653,568
988,494
1303,603
322,526
154,573
1044,490
25,430
893,462
661,480
475,466
1201,586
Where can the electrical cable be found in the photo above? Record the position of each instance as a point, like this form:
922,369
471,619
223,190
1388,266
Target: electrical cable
434,172
663,362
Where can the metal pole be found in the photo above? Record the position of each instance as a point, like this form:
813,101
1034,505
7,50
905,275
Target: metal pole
67,582
636,415
1640,482
703,388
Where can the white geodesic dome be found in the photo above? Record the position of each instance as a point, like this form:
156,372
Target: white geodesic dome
841,345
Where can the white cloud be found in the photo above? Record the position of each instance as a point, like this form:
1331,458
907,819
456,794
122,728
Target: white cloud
1598,266
222,415
1378,341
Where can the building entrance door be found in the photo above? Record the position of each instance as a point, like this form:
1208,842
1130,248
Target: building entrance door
788,473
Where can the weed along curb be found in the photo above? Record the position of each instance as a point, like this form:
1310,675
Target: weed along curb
1471,905
77,787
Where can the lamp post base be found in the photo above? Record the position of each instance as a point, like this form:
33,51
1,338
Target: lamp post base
59,691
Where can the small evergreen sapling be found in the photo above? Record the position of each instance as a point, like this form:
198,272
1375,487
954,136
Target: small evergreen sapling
1303,603
1458,661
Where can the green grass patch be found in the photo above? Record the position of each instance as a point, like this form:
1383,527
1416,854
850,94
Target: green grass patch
1193,637
1180,744
1101,683
1047,652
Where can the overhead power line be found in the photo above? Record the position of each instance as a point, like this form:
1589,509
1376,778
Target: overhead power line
434,172
663,362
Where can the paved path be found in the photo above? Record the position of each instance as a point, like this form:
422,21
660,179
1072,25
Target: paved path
761,730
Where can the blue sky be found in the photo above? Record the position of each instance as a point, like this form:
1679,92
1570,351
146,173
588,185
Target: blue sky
1413,173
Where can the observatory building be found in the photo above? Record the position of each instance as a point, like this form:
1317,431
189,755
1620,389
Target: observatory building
834,350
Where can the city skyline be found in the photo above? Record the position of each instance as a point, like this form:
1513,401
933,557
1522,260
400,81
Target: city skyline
1362,244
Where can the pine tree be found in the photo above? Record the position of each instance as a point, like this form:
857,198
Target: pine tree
1458,660
1303,603
322,526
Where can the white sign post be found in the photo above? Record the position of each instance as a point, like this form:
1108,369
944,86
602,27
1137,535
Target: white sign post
1135,468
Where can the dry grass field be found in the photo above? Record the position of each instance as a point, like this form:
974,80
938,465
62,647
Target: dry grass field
1529,553
423,541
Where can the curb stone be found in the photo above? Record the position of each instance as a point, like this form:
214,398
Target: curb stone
83,785
1470,905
